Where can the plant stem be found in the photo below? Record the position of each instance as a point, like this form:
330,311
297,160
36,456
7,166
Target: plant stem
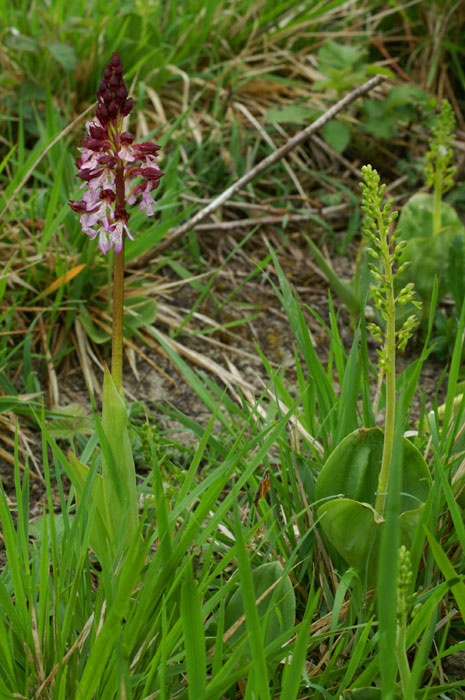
401,655
437,203
117,335
118,296
390,373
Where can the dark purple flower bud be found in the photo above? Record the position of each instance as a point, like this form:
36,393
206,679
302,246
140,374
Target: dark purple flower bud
79,206
102,113
97,132
121,93
107,160
94,144
127,107
147,148
150,173
126,137
112,92
109,195
89,173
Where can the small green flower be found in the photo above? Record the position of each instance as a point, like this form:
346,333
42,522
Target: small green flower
438,171
385,250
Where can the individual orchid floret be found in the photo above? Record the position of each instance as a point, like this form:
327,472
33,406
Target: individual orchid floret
115,172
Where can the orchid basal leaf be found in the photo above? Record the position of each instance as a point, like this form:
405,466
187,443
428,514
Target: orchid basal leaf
79,474
118,471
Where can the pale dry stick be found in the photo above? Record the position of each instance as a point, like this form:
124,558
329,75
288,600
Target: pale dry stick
337,156
174,322
78,644
244,223
299,156
11,460
132,346
9,422
156,102
38,656
41,155
240,621
263,165
30,452
201,360
131,357
81,350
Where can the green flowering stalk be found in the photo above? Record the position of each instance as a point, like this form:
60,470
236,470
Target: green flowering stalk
352,484
404,579
377,224
439,173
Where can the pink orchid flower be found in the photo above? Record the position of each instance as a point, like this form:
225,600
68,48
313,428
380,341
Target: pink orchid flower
115,171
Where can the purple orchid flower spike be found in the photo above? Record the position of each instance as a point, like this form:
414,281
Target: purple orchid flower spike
115,171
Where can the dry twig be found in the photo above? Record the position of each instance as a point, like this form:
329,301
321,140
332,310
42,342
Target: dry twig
263,165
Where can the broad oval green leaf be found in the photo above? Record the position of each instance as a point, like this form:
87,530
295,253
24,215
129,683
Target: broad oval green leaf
337,135
282,597
64,54
355,530
426,253
352,470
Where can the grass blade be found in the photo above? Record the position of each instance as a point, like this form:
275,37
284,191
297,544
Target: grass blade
194,635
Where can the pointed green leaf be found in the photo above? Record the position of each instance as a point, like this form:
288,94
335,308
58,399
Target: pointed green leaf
194,635
118,471
98,335
79,474
140,311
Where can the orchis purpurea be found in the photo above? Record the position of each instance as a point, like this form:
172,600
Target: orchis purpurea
115,171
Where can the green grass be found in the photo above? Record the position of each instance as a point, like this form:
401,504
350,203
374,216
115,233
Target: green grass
70,625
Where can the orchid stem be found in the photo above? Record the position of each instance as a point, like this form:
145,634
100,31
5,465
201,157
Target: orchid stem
118,296
117,337
390,374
